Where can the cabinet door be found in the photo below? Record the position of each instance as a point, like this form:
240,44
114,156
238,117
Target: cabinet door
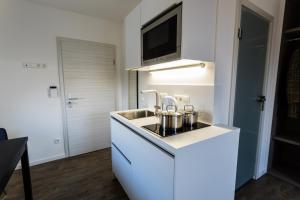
152,8
153,172
122,169
132,38
145,171
199,29
121,137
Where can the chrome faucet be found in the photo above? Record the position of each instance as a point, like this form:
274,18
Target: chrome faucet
156,107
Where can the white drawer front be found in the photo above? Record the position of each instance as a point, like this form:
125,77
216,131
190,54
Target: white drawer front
145,171
153,171
122,169
121,136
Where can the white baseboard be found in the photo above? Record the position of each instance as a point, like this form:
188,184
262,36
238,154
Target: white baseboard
44,160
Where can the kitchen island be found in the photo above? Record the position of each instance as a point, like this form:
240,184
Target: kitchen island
200,164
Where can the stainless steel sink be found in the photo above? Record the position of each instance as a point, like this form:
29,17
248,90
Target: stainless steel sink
137,114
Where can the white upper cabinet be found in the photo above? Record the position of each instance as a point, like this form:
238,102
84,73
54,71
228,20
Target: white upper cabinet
132,38
152,8
199,18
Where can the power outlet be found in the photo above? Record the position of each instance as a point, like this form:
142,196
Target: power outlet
182,99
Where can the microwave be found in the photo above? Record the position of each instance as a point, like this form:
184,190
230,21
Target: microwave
161,37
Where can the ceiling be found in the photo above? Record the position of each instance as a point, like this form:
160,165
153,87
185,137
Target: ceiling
107,9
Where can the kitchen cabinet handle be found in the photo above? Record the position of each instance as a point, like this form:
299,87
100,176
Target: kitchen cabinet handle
123,155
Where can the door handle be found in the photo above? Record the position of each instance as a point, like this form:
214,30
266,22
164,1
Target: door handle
70,104
261,99
70,101
74,99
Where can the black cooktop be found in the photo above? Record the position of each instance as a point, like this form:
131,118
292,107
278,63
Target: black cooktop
157,129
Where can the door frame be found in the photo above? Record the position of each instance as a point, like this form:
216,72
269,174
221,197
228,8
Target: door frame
62,95
62,88
264,131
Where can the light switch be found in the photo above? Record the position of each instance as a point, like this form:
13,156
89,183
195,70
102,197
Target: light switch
52,92
28,65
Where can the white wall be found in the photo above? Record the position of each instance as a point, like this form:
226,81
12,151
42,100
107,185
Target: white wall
28,33
223,59
269,6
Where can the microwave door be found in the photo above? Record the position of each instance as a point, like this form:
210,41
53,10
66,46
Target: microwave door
161,39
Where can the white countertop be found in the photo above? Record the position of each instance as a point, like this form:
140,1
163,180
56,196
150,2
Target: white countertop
176,142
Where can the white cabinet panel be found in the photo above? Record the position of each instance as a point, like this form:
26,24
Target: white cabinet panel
145,171
122,169
122,138
153,171
202,170
152,8
199,29
132,38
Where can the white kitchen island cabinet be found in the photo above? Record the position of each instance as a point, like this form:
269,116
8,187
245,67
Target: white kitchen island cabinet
145,171
122,169
197,165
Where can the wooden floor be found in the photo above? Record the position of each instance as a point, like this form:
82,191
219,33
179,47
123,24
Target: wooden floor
89,177
268,188
85,177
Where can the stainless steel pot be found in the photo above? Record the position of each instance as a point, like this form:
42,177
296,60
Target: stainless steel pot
190,117
171,119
